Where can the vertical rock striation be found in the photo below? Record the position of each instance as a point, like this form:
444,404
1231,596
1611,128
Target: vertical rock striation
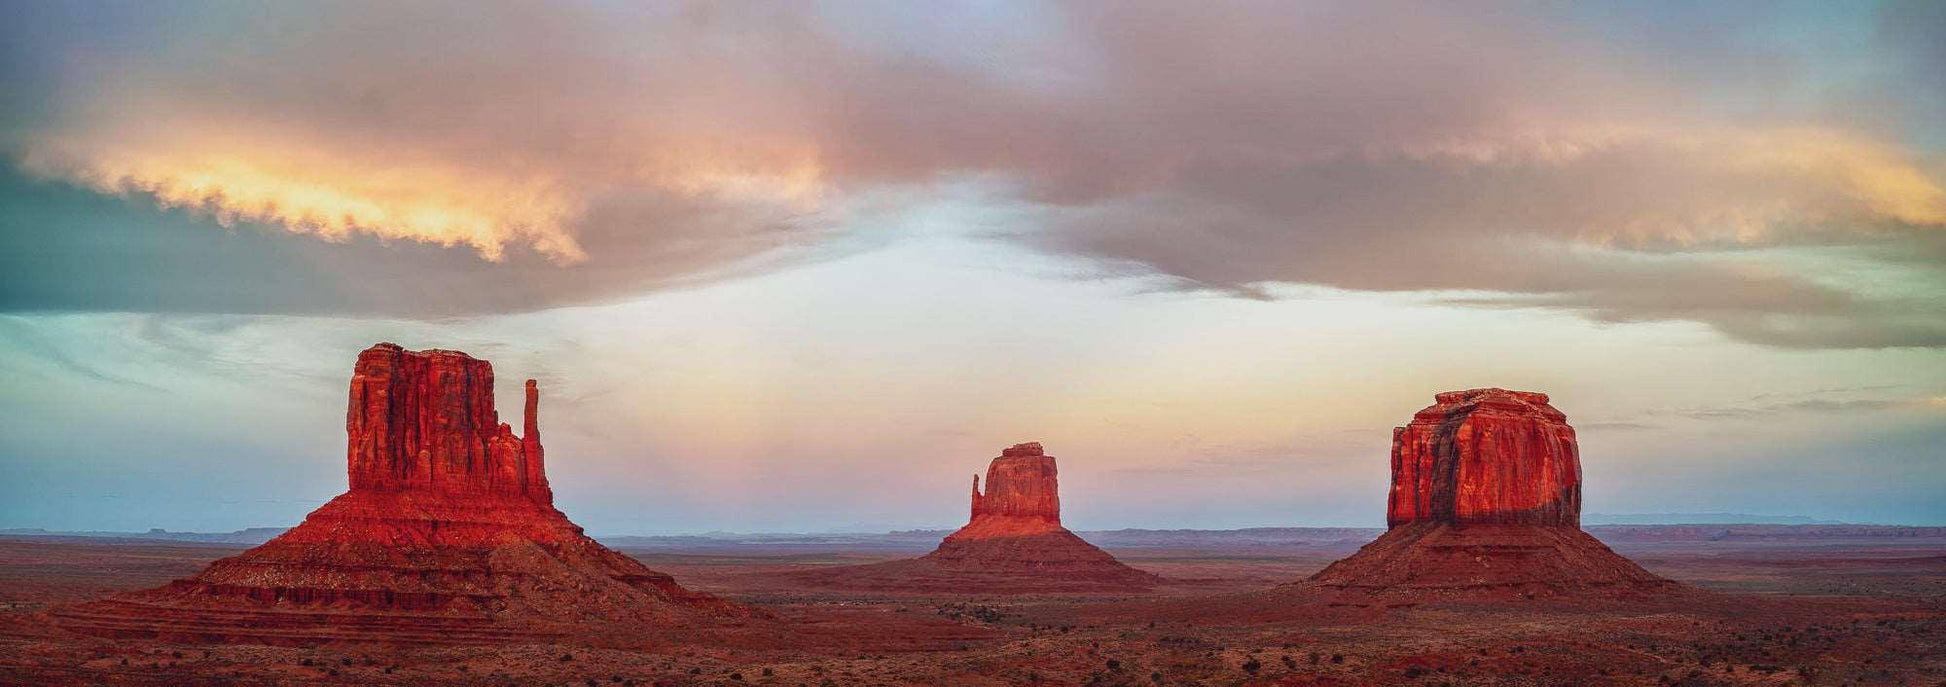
424,421
1023,496
1487,456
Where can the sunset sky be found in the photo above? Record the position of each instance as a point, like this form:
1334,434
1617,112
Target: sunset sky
806,266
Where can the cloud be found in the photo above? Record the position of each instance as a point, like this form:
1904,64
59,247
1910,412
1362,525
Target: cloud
1602,162
1616,426
575,155
1517,160
65,249
411,124
1813,402
1832,401
31,344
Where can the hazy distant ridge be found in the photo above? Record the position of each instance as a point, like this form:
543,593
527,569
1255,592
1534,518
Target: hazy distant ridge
1285,538
248,537
1700,519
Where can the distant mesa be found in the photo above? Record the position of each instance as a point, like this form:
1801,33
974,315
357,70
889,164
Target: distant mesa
1013,543
1486,499
448,534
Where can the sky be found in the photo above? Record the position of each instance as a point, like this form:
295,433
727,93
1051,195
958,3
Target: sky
808,266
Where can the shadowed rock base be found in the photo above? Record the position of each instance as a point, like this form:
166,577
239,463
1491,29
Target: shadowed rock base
1435,559
402,568
1486,504
1049,563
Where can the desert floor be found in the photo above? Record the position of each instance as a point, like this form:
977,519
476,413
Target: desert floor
1770,607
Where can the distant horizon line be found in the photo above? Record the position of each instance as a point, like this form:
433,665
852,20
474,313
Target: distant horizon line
1591,520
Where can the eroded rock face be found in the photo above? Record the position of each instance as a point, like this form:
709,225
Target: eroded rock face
1023,491
1486,502
424,421
1486,456
448,533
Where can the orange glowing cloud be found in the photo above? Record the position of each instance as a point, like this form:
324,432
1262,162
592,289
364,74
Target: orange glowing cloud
1761,179
333,198
334,192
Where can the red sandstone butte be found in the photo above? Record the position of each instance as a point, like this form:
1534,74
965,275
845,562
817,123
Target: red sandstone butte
1486,499
1488,456
1013,543
1023,496
447,534
424,422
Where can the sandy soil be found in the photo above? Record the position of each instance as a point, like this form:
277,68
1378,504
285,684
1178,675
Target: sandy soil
1774,610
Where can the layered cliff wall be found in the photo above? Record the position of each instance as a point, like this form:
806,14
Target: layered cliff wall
1021,483
1486,456
425,421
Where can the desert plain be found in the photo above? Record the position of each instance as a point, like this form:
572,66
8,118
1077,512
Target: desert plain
1769,604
